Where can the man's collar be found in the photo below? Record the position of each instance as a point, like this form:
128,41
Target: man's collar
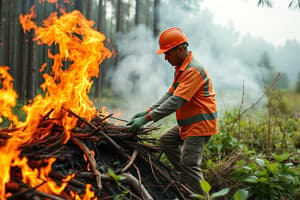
186,61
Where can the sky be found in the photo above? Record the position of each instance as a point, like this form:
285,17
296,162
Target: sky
276,24
228,39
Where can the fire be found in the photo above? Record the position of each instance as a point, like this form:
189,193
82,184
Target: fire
65,87
88,194
7,96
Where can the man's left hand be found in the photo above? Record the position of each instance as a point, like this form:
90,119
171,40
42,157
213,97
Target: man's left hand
136,123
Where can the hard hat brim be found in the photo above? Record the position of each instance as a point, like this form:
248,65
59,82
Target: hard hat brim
160,51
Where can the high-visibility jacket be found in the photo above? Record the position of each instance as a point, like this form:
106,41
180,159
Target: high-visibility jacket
198,116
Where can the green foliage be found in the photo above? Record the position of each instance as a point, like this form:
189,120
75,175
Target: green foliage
241,194
298,84
268,143
206,187
265,179
117,178
222,144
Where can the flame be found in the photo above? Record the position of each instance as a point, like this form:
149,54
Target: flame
65,87
35,177
7,96
85,158
88,194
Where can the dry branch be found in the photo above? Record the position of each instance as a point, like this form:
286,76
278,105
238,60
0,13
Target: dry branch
91,160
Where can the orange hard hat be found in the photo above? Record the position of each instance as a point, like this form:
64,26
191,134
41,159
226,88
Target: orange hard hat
169,38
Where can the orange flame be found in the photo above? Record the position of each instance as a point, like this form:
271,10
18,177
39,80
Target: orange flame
34,177
88,194
65,87
7,96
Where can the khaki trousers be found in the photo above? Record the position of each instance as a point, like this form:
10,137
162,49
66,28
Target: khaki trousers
185,156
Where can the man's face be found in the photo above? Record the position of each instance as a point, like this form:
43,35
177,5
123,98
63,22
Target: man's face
172,56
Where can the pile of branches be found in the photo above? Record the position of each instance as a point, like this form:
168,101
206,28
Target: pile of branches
119,163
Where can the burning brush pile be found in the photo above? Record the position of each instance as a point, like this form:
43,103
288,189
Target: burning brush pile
65,148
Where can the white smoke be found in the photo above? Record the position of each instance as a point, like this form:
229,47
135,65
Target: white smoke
142,76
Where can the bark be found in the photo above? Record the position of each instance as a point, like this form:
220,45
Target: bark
8,36
137,12
78,5
89,9
31,70
156,18
99,81
21,60
0,17
119,17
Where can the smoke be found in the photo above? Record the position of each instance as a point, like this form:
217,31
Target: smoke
142,77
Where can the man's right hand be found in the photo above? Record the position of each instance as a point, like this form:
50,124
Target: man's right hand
140,114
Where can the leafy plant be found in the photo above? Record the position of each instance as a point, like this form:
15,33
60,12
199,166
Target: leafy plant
117,178
206,187
264,179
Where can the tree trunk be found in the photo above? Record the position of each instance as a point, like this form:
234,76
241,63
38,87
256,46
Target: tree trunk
119,17
89,9
21,60
1,43
119,28
99,80
78,5
137,12
156,18
0,16
8,36
31,71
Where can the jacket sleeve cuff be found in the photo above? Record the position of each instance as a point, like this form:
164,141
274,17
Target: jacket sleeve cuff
149,110
148,118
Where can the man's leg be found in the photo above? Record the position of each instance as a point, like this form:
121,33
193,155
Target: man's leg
170,143
191,160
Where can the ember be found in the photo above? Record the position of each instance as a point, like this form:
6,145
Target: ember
66,149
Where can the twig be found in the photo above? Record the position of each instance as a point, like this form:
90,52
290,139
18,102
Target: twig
23,192
111,116
118,147
267,91
91,160
163,174
131,180
150,162
49,196
132,159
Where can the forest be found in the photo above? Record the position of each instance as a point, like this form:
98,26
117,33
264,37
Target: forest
73,72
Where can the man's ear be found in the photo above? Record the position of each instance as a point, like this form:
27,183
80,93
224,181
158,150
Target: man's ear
180,49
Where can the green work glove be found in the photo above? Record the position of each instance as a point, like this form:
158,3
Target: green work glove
136,123
140,114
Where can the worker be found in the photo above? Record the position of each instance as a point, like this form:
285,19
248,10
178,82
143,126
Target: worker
192,97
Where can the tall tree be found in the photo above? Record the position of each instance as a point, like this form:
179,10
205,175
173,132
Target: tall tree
99,82
8,35
137,12
156,18
20,86
31,64
119,17
78,5
0,23
89,9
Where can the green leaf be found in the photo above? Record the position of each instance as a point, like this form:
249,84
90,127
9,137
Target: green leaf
205,186
241,194
220,193
250,179
209,163
282,157
198,196
260,162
